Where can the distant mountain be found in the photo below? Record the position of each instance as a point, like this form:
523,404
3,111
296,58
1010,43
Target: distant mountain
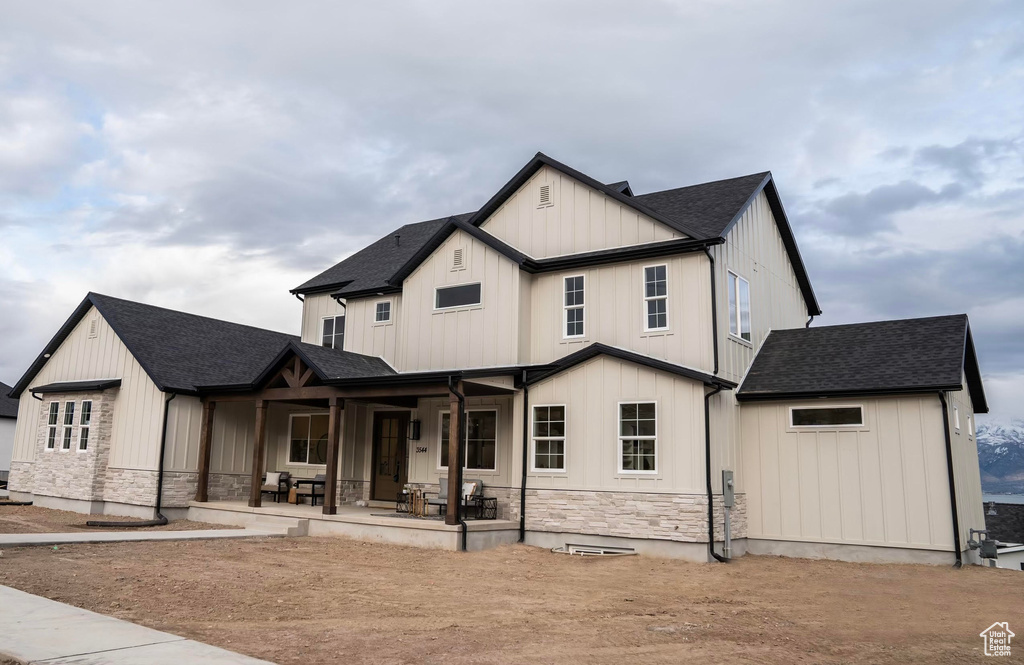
1001,457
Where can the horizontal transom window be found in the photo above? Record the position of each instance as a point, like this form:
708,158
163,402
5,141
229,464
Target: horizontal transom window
827,416
463,295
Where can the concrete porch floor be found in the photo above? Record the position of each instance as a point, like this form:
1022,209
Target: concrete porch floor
375,524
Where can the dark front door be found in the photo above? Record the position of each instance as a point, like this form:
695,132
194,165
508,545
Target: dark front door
390,458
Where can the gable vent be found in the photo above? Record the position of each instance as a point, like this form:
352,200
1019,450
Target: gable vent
544,199
458,259
93,328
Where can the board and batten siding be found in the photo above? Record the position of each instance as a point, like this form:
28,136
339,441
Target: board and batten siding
484,335
138,407
615,314
581,219
315,307
754,250
364,335
883,484
591,393
966,472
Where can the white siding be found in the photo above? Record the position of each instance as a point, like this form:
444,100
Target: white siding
7,427
581,219
754,250
364,335
966,472
882,484
138,407
314,308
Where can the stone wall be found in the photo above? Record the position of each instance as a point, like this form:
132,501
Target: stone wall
133,486
22,478
351,491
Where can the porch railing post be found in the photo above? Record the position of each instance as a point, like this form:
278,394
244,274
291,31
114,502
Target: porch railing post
255,489
205,446
333,446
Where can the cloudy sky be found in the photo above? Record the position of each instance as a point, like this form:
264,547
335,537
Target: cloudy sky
210,156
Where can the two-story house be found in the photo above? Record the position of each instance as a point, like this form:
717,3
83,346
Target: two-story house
595,358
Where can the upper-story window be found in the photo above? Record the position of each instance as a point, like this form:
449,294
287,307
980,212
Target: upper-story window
334,332
574,306
739,306
382,312
656,297
464,295
85,422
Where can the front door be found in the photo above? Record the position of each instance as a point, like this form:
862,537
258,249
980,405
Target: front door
389,454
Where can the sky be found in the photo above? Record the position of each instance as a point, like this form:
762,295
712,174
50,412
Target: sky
209,156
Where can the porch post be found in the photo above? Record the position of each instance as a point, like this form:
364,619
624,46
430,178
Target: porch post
454,460
333,445
205,445
255,494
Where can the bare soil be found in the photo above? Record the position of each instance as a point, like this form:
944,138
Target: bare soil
328,600
32,519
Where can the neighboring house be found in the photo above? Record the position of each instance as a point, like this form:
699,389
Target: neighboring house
8,417
607,356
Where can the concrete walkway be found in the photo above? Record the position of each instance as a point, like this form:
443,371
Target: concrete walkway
29,539
38,630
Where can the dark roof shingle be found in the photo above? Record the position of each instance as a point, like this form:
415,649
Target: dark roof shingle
8,405
908,355
709,207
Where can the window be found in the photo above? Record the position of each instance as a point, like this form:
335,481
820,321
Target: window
383,312
956,418
308,439
829,416
549,438
51,421
638,431
457,296
481,440
970,426
739,307
69,423
574,306
85,421
334,332
656,297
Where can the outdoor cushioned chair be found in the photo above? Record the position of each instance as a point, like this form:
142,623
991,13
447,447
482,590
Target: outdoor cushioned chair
471,495
314,490
276,483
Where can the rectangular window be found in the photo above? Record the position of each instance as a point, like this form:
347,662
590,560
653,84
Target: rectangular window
69,423
481,440
574,306
334,332
308,439
85,422
638,442
656,297
549,438
457,296
739,307
51,421
382,313
970,426
832,416
956,418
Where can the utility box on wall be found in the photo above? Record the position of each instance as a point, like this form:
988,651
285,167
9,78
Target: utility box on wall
728,489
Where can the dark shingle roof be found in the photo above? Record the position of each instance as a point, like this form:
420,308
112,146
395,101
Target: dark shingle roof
77,386
709,208
904,356
183,352
8,405
371,267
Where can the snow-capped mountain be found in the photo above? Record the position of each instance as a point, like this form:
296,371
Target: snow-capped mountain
1001,456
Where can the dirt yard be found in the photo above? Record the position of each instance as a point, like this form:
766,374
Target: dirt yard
327,600
31,519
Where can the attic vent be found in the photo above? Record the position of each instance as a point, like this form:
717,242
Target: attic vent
93,328
544,199
458,259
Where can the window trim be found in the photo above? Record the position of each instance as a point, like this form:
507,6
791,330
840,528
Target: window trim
391,309
52,428
566,308
730,293
84,428
861,425
304,414
456,307
68,430
497,437
619,437
334,335
646,299
564,439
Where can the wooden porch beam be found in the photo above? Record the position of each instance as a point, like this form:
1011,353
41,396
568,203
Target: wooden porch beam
454,459
258,448
205,446
327,392
333,448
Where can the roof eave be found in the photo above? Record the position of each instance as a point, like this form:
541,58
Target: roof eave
821,394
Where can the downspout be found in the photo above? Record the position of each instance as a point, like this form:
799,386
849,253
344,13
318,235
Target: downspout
952,482
526,439
707,465
808,324
299,297
714,310
160,519
462,456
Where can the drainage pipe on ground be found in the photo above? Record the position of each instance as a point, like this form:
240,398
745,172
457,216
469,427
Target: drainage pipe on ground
160,519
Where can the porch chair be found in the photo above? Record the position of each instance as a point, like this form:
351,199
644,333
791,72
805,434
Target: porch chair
469,501
277,484
313,489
